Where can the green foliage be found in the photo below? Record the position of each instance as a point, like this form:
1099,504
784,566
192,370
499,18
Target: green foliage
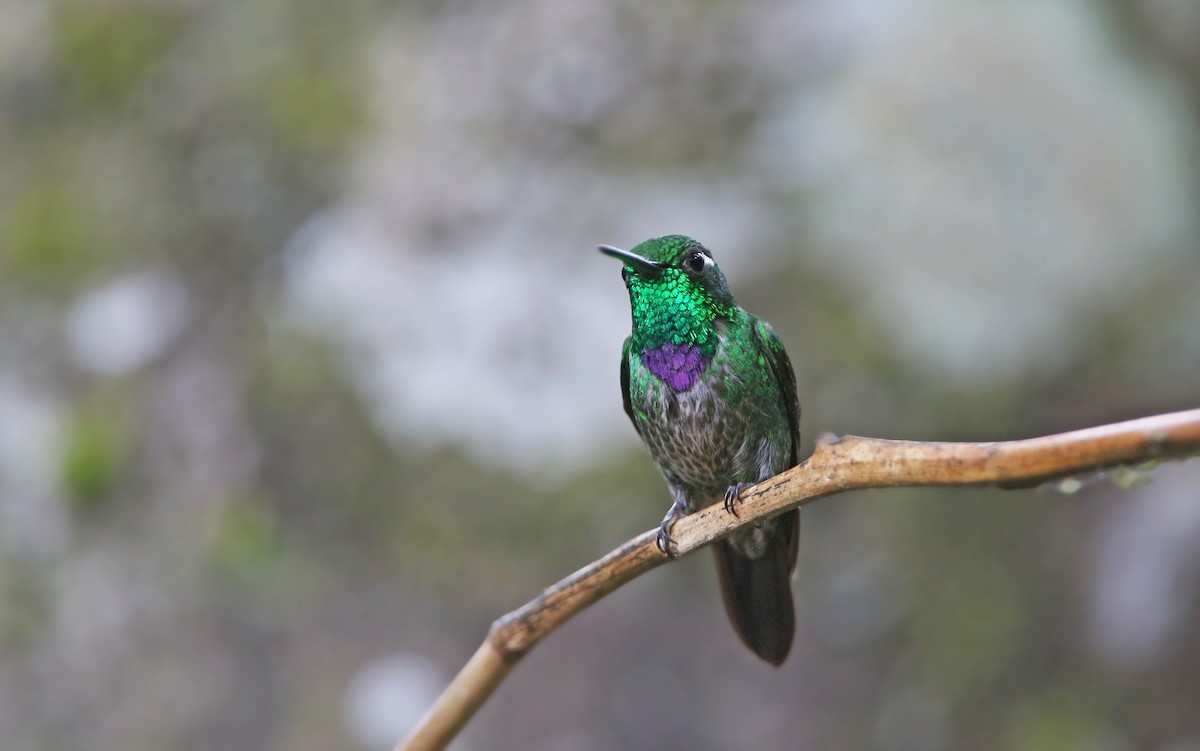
246,544
971,606
94,456
24,612
49,234
304,89
105,51
1059,720
310,106
969,626
1132,476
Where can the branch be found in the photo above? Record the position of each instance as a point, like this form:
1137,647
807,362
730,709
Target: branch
836,465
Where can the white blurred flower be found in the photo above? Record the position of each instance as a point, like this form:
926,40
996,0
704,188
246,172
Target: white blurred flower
388,696
987,175
33,517
125,323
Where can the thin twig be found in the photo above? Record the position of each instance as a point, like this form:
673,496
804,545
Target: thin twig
836,465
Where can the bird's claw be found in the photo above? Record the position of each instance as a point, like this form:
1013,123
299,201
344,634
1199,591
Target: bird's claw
665,541
733,496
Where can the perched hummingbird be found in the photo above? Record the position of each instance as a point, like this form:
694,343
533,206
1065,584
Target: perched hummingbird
711,391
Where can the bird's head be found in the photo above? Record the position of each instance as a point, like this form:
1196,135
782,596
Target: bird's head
676,290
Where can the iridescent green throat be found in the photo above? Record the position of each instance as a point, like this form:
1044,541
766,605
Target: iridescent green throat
672,309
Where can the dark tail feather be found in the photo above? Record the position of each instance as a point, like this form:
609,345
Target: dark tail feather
758,592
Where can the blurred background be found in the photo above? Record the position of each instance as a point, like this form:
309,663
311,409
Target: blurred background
308,365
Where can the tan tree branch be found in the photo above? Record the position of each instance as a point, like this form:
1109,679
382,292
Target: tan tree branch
836,465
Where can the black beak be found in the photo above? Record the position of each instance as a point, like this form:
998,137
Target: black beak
638,263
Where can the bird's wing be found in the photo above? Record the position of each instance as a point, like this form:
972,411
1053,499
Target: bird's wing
625,401
771,349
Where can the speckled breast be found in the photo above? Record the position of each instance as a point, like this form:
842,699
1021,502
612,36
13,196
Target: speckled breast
726,427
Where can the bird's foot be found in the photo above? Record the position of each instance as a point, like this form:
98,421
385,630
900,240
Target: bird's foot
733,496
666,543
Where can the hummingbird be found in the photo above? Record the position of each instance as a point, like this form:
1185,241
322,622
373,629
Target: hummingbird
711,391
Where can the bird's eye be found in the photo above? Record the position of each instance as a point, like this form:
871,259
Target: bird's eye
696,262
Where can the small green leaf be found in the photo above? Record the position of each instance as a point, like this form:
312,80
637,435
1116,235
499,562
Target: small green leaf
246,543
93,459
1132,476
